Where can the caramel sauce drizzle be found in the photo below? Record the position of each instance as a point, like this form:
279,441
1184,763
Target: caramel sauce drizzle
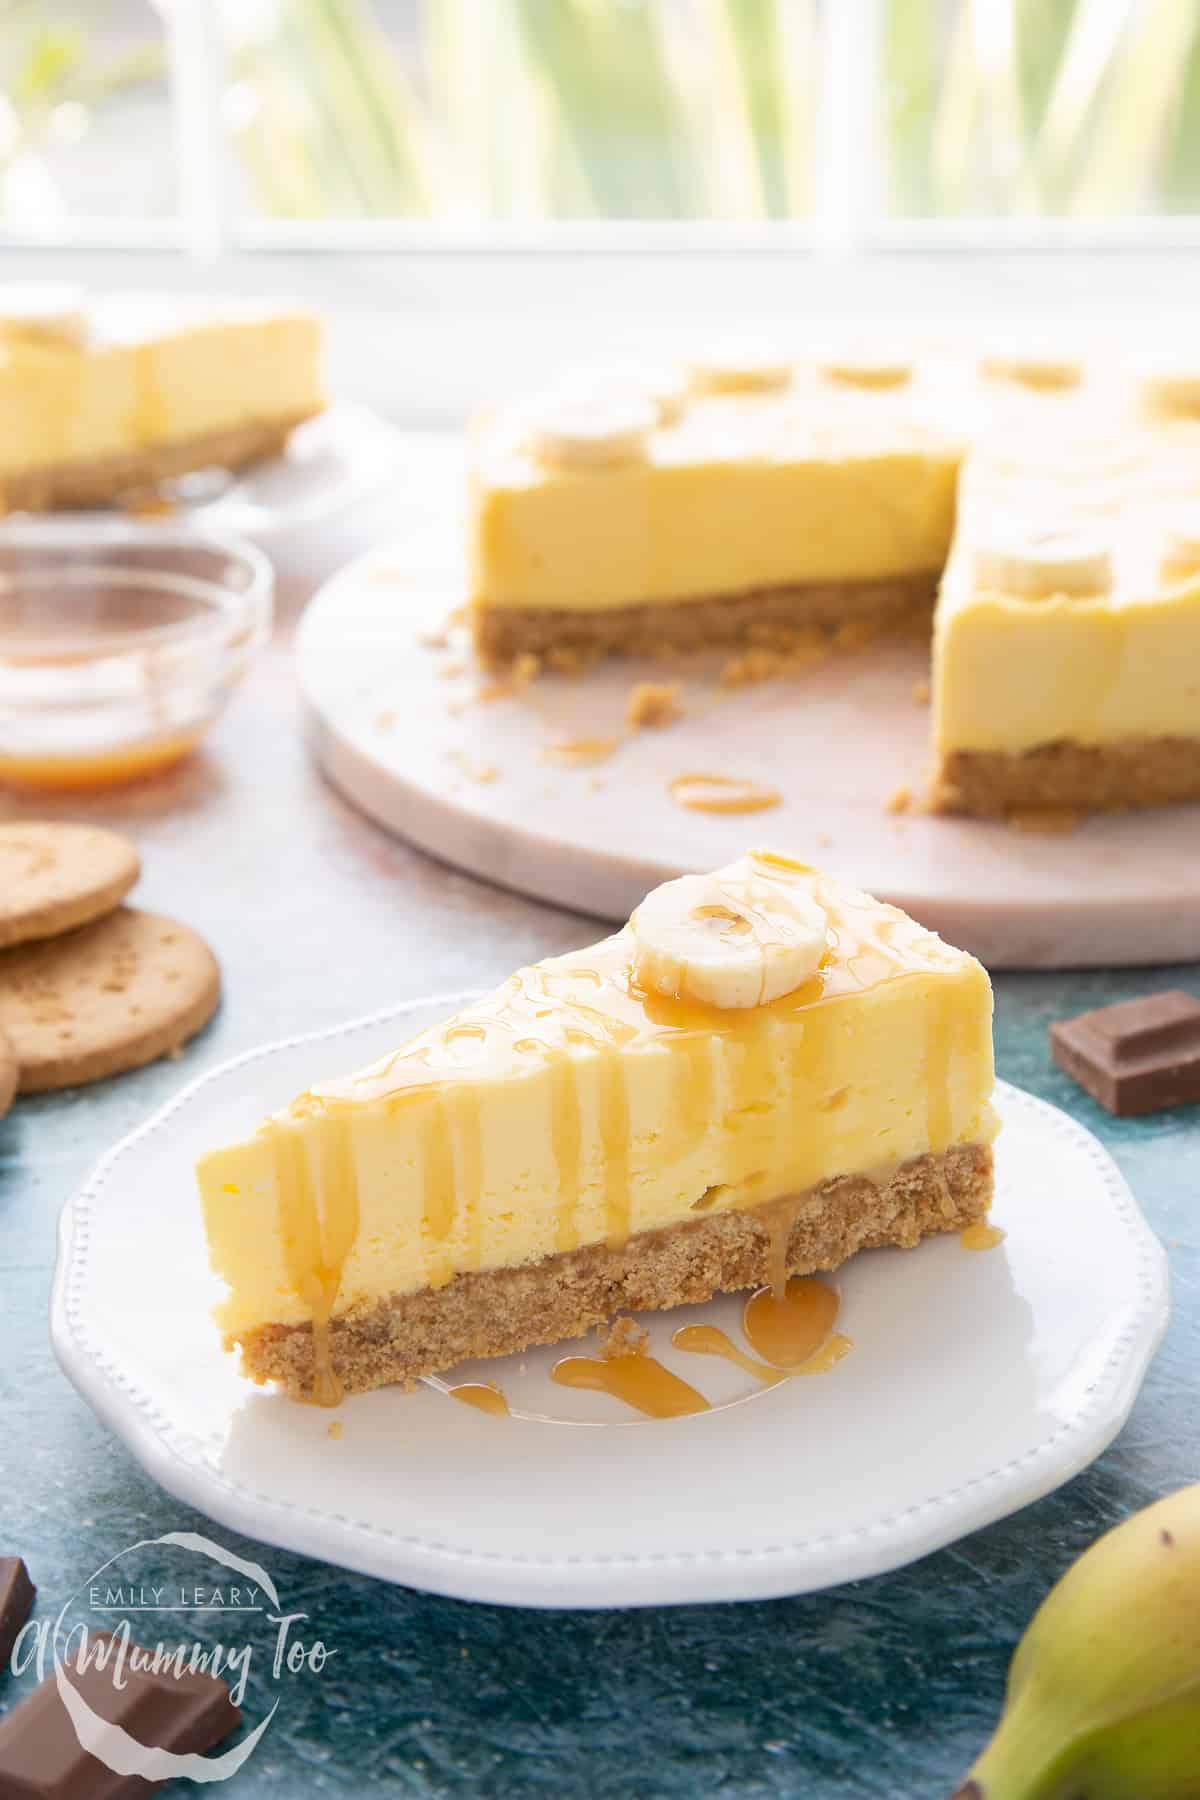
317,1238
981,1236
639,1380
481,1395
721,794
580,752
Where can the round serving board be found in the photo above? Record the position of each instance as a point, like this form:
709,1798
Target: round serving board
406,725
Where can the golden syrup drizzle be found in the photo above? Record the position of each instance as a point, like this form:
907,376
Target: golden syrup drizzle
981,1236
316,1241
710,1340
788,1332
721,794
940,1016
779,1217
827,1357
482,1395
566,1140
439,1168
581,752
614,1146
637,1379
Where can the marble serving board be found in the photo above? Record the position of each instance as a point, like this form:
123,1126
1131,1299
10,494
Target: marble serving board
403,721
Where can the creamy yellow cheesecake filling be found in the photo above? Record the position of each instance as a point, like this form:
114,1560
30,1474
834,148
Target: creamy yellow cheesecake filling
578,1105
139,373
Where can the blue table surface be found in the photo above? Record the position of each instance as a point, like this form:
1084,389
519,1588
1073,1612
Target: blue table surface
886,1687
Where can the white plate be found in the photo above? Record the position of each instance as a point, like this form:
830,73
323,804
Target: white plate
977,1382
337,462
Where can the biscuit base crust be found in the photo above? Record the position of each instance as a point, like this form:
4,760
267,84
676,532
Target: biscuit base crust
98,480
494,1312
1088,777
762,616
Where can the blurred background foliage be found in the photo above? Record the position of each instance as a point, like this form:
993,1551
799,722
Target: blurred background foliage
474,110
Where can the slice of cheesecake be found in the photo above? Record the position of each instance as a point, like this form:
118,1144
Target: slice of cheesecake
101,398
763,1073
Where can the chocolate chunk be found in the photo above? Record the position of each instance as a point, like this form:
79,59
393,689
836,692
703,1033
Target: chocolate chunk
1136,1057
41,1758
16,1599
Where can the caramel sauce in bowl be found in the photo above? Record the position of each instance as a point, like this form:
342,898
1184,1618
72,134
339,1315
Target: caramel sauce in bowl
120,644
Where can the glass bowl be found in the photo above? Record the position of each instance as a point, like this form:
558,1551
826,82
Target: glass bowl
119,645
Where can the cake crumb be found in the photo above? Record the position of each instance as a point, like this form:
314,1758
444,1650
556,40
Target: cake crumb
385,719
335,1428
482,772
515,679
653,704
921,693
448,670
900,800
624,1337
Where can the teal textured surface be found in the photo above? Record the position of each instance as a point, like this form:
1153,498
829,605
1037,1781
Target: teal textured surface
886,1687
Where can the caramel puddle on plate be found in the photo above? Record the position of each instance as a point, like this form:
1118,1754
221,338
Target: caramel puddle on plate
637,1379
710,1340
794,1332
479,1395
981,1236
721,794
581,752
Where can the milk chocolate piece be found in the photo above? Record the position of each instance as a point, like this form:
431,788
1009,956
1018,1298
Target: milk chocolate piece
42,1759
1136,1057
16,1599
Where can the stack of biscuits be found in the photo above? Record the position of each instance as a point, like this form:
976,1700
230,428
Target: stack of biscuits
89,987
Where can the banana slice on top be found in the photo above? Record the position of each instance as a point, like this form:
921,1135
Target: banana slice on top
664,384
739,366
1172,388
1181,548
591,430
863,368
727,942
43,312
1043,561
1035,368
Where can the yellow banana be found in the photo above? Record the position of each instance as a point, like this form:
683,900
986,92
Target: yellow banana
1103,1694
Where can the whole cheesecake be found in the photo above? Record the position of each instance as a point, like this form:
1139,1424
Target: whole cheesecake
754,500
762,1074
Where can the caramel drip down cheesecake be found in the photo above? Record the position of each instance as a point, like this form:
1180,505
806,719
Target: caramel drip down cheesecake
99,398
750,500
762,1074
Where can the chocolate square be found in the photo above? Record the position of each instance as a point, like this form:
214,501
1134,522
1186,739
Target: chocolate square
1136,1057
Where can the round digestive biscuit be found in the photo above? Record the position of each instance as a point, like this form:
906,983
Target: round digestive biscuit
108,997
54,877
8,1074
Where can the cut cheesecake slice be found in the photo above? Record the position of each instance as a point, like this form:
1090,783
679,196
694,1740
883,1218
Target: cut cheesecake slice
100,399
624,511
760,1075
1066,662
